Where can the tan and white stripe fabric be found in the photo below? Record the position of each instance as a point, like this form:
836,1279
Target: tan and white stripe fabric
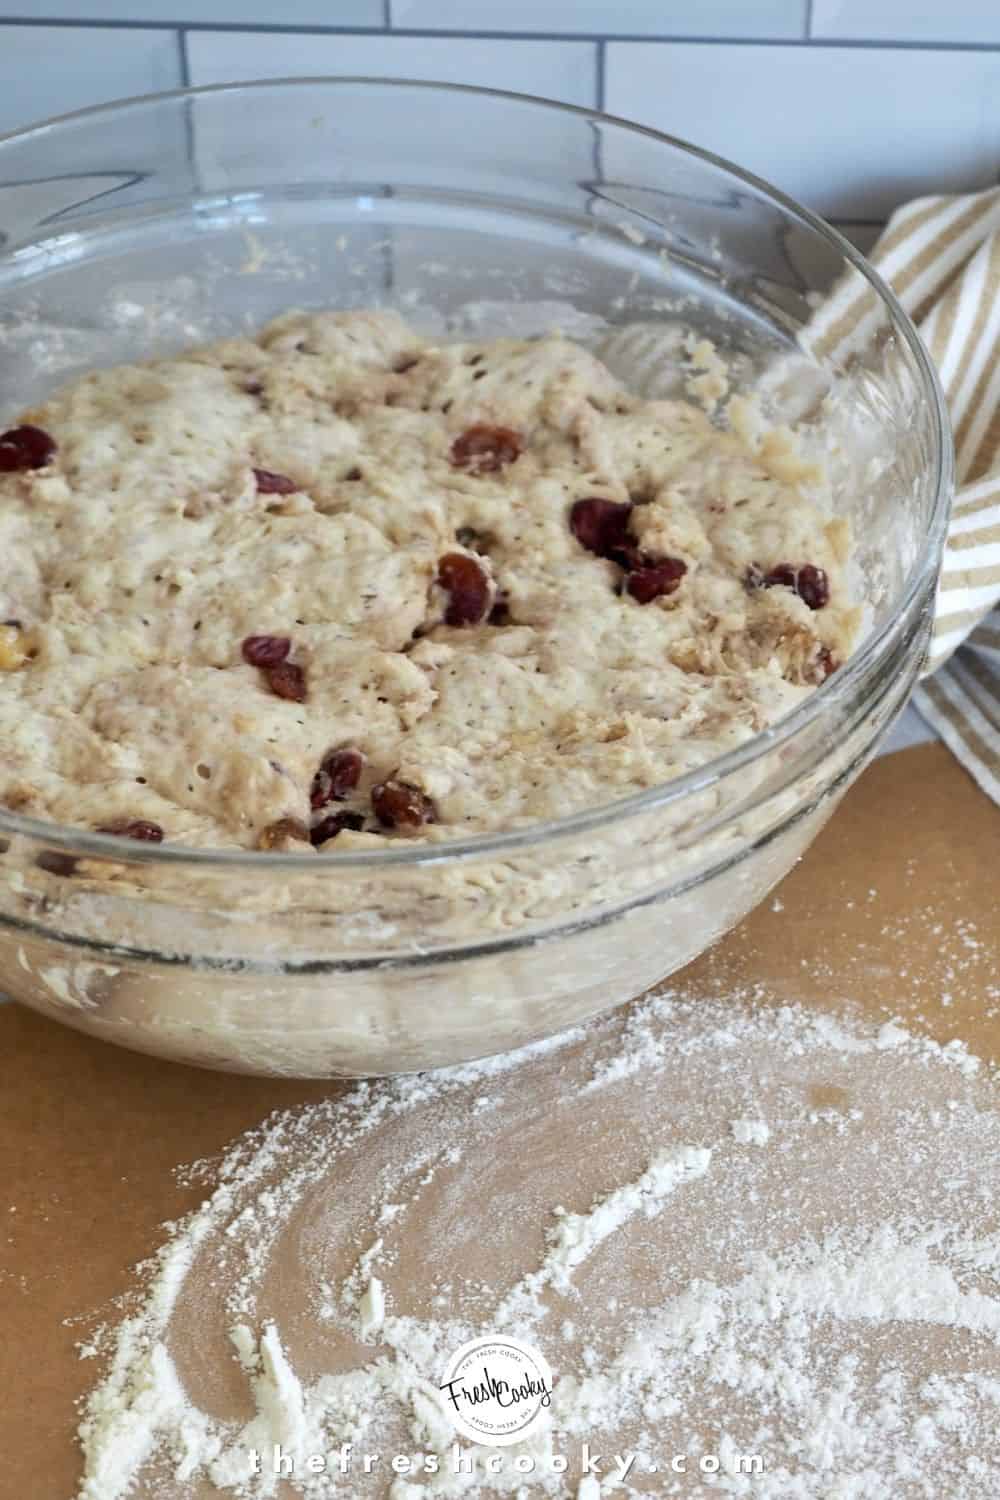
941,256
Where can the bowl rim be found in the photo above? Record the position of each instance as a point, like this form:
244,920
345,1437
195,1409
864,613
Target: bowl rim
922,574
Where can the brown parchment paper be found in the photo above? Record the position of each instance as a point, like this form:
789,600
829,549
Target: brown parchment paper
895,910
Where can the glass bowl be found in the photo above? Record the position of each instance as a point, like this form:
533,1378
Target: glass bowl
133,229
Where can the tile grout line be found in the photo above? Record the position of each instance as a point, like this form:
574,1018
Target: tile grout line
190,147
387,14
809,19
666,38
185,61
600,75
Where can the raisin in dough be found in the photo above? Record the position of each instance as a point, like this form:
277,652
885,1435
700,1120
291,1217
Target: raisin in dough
140,558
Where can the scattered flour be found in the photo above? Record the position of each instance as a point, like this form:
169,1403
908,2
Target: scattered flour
371,1309
751,1132
827,1300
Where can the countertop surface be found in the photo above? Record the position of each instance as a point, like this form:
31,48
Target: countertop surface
888,914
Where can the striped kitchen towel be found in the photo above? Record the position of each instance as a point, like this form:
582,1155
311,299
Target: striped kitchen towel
941,256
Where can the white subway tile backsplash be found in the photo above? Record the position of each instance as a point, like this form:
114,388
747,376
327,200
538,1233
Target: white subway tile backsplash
208,12
53,69
556,70
862,236
851,131
907,20
766,19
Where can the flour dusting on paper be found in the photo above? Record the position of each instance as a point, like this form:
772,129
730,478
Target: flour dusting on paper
731,1232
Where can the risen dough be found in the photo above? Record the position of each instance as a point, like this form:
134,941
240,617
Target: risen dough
140,558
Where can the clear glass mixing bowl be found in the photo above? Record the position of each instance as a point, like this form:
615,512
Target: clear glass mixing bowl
133,229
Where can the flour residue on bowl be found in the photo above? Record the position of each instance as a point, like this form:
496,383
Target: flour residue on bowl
733,1233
